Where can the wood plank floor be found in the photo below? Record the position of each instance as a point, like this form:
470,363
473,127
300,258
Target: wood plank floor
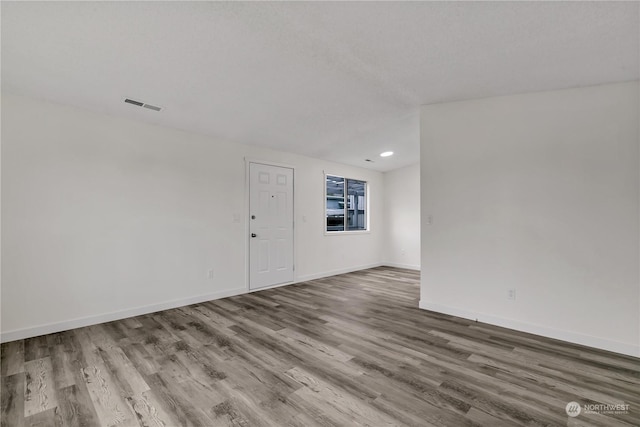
347,350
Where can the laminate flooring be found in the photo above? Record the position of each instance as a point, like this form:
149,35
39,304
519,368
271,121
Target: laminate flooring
348,350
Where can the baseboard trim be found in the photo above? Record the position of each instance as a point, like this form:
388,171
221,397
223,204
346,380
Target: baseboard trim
400,265
315,276
66,325
572,337
309,277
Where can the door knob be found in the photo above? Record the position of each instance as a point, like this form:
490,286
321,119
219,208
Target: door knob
254,235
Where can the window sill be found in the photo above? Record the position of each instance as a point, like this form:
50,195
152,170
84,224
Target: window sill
342,233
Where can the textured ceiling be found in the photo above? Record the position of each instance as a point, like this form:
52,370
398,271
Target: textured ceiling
337,81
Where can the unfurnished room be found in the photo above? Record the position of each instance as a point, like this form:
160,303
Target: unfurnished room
320,213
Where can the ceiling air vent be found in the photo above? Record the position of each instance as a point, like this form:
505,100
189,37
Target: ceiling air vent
142,104
131,101
152,107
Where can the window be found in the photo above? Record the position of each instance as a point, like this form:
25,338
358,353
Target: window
346,204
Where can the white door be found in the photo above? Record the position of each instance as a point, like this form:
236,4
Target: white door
270,225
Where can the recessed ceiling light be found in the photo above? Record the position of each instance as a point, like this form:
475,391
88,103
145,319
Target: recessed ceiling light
386,154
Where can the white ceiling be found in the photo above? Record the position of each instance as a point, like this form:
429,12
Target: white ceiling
337,81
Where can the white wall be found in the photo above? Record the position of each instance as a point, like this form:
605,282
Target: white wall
402,217
537,192
103,217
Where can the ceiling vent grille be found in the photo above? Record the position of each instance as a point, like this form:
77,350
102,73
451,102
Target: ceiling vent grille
142,104
152,107
131,101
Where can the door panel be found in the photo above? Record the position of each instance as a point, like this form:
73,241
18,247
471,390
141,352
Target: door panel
263,256
271,222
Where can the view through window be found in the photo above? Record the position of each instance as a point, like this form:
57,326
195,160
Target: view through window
346,204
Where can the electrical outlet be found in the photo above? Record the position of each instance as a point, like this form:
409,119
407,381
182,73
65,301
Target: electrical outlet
511,294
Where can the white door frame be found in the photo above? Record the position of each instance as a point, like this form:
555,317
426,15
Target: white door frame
247,227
